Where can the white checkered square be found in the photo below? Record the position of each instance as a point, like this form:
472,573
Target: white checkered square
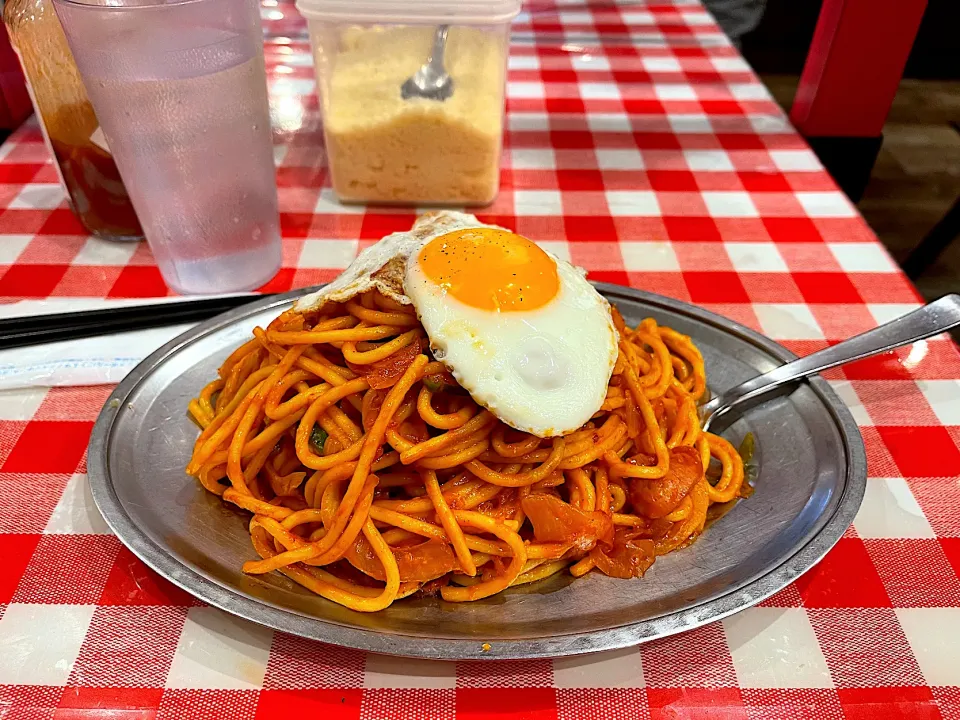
708,160
294,86
788,321
105,252
637,17
382,671
611,669
674,91
39,197
844,388
575,17
528,122
521,90
608,123
730,204
696,19
885,312
599,91
641,203
889,510
749,91
537,202
769,124
730,64
20,404
776,648
826,204
560,248
944,399
586,61
619,159
934,637
660,64
76,513
327,253
41,642
12,246
711,40
532,159
219,652
523,62
690,123
863,257
795,160
755,257
653,256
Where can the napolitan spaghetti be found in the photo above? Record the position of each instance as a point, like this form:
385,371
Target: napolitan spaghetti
372,475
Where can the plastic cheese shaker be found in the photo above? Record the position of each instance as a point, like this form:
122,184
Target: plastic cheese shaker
386,146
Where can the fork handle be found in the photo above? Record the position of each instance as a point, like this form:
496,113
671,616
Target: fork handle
932,319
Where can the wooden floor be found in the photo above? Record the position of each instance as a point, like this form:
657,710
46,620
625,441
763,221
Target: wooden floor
917,175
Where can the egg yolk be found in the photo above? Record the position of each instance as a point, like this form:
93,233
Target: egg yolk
491,269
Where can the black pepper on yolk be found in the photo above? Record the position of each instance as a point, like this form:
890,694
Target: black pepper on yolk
491,269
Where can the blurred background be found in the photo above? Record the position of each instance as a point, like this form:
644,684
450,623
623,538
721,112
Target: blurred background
915,180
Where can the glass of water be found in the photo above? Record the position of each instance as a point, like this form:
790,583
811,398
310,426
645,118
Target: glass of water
180,91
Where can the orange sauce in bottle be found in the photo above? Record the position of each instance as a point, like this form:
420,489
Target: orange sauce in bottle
70,127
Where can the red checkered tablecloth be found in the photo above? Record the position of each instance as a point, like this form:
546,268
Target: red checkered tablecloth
641,146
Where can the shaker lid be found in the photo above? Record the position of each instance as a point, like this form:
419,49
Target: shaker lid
407,12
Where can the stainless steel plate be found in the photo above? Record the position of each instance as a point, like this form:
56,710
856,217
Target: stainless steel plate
812,478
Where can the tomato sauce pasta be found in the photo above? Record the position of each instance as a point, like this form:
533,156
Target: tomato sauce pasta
372,475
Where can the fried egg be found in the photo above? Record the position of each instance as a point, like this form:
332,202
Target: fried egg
521,330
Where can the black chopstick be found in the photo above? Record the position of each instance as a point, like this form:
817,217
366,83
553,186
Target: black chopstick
37,329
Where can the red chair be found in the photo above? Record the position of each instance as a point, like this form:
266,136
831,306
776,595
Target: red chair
851,74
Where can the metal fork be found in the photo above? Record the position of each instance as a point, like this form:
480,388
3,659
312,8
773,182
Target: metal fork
932,319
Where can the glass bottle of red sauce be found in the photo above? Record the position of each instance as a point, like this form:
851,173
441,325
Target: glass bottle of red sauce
70,127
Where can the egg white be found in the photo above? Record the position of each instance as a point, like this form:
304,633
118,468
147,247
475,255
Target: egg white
542,371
